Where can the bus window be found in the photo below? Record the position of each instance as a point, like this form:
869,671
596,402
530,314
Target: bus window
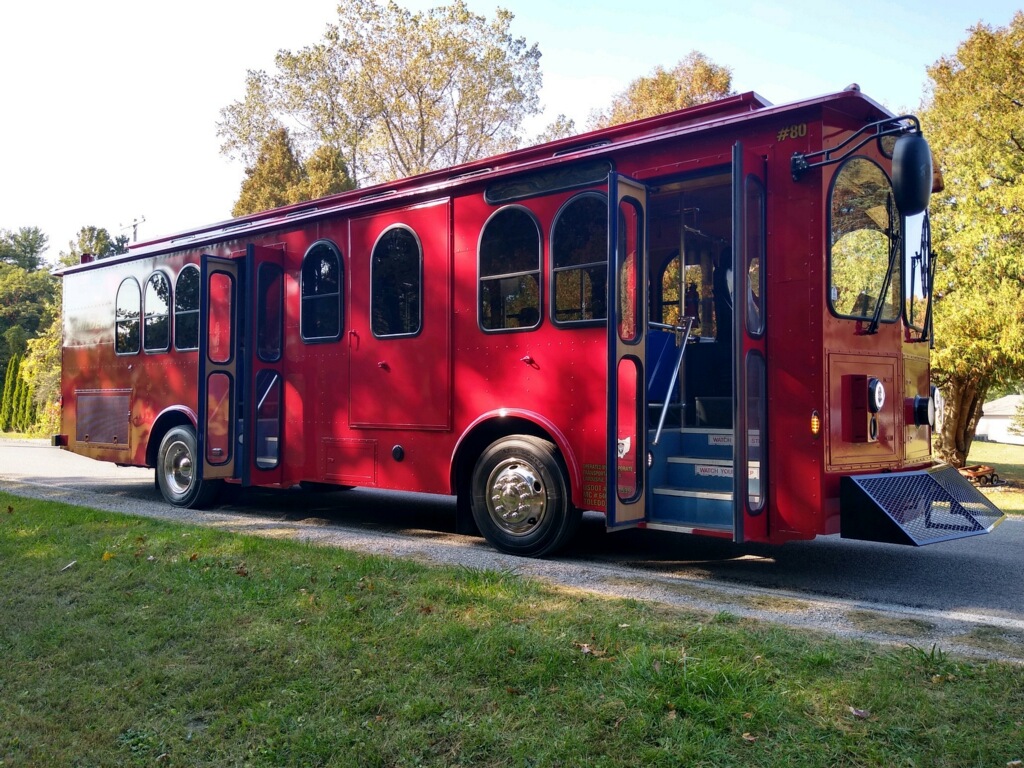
510,271
396,282
270,285
126,323
753,253
863,233
579,253
156,335
322,279
186,309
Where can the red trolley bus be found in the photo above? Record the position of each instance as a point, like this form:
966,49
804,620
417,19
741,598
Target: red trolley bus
708,321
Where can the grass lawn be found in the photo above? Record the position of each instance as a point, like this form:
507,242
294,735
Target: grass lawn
133,642
1008,462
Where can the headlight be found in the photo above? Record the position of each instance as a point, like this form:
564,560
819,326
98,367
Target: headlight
924,411
876,395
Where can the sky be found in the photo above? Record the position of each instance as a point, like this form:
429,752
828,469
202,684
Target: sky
108,108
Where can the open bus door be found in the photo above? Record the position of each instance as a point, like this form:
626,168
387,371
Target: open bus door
218,368
750,447
264,379
627,339
241,335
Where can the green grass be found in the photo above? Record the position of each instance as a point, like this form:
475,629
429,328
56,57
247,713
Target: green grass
179,646
1008,462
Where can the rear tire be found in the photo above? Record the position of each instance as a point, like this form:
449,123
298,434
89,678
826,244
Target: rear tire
520,497
177,471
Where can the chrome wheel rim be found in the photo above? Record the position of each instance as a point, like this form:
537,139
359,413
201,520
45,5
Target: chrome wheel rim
178,468
516,497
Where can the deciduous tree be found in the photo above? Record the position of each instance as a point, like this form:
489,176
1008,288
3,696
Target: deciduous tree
95,241
694,80
23,248
394,93
974,119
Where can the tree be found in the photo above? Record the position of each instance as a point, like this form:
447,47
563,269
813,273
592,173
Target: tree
277,177
560,128
23,248
394,93
694,80
95,241
7,399
25,307
270,180
974,119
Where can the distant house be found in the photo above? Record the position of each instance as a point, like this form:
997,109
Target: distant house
997,417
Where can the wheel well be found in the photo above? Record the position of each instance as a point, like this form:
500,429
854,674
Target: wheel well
469,450
165,423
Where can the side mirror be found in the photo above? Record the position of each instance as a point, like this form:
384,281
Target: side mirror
911,173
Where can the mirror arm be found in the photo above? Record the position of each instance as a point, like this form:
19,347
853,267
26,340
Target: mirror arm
800,163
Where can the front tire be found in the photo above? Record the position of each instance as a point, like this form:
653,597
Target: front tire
520,497
177,471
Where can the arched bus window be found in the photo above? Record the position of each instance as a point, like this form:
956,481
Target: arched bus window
186,308
509,263
864,229
396,284
156,330
128,317
579,258
322,281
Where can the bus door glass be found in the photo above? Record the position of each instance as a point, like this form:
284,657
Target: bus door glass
264,345
749,344
218,366
627,321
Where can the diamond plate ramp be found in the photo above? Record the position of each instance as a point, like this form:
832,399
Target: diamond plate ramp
917,508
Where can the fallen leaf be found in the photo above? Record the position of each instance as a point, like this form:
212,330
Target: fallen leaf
671,715
748,715
108,556
241,570
193,557
749,737
861,714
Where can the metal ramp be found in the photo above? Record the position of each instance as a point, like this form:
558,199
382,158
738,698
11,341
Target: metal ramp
916,508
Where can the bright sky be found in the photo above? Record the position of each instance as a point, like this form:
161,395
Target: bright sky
109,107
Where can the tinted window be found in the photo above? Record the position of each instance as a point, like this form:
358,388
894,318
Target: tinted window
322,281
128,318
396,284
157,329
579,252
510,271
186,309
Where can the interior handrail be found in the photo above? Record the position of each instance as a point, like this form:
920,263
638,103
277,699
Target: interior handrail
684,331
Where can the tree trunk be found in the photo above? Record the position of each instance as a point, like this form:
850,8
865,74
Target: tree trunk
960,413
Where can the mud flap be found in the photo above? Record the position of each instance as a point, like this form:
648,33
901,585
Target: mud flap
917,508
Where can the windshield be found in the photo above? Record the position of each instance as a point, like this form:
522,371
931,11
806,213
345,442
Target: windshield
864,229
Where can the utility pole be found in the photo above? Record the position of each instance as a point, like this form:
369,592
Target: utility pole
134,227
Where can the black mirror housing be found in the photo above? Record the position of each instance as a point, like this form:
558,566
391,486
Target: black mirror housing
911,173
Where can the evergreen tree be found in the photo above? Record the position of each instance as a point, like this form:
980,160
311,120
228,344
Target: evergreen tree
18,403
10,384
